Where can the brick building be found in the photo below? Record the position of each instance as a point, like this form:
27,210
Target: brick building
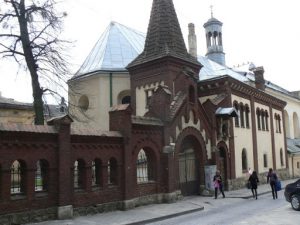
157,148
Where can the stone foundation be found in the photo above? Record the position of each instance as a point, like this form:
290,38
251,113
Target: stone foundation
238,183
33,216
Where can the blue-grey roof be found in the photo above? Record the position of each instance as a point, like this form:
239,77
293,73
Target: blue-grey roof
117,47
293,146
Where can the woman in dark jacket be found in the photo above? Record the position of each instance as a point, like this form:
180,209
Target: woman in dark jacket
272,178
253,179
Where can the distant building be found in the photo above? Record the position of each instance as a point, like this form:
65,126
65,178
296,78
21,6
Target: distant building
12,111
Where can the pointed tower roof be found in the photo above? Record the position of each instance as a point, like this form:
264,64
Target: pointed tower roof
164,37
117,47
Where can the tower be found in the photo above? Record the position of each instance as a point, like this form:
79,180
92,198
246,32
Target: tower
214,43
164,60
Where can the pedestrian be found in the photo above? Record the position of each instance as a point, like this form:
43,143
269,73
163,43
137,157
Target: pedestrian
218,184
272,178
253,179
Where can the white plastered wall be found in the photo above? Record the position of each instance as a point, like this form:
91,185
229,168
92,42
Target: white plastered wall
243,140
140,92
279,141
264,141
97,89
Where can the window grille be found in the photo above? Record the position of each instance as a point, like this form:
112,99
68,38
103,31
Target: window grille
78,174
96,173
16,178
142,167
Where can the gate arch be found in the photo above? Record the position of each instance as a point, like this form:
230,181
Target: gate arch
191,158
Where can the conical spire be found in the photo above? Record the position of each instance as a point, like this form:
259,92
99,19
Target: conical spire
164,37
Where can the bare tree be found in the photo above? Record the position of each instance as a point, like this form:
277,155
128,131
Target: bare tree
29,34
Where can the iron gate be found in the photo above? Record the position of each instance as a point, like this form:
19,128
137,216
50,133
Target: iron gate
188,172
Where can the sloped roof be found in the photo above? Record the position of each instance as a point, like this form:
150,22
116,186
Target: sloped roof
164,36
117,47
293,146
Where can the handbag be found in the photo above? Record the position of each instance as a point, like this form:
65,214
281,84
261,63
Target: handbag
249,185
278,185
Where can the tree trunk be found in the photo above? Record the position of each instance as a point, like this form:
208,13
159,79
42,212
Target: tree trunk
37,91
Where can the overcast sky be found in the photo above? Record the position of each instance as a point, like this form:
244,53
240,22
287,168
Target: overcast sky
264,32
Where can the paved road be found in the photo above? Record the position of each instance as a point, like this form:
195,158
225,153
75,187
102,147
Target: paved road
264,211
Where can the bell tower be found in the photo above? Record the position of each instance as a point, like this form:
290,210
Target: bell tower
214,42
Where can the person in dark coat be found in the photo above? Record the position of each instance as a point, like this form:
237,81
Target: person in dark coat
272,178
253,179
218,184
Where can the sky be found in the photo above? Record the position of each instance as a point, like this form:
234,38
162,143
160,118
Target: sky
265,32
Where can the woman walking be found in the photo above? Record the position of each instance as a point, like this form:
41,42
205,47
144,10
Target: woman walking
218,184
253,179
272,178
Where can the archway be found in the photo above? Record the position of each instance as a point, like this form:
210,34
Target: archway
222,162
189,166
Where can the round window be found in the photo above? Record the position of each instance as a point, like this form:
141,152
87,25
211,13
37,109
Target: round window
83,103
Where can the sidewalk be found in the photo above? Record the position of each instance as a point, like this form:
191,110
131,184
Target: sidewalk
157,212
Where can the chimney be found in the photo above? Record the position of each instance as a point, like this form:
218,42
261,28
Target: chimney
259,78
192,40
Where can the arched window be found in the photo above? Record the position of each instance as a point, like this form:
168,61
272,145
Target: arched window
0,181
126,100
265,160
244,160
281,157
112,168
279,124
296,125
247,111
97,173
236,119
192,94
79,174
262,113
142,167
83,103
267,120
18,170
287,124
41,175
242,115
258,118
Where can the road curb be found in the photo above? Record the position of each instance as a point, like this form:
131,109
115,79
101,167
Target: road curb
166,216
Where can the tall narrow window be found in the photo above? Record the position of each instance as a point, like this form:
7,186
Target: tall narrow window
191,94
267,120
279,124
41,175
265,160
142,167
242,115
112,168
298,165
247,116
276,122
17,178
258,118
96,173
236,119
281,157
244,160
79,174
262,113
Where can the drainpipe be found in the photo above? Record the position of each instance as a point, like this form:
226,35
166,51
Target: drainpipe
110,90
